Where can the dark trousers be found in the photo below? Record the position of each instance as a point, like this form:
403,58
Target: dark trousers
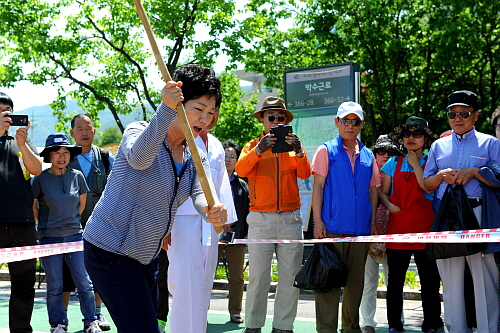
398,262
127,287
163,286
22,275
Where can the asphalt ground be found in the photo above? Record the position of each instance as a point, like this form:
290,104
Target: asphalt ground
218,318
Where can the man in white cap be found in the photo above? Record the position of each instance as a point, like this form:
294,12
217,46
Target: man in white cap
274,214
344,203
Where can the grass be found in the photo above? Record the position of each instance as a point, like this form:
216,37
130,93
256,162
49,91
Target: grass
411,280
220,272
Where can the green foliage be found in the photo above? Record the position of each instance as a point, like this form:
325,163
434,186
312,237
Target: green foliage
411,280
412,54
381,280
94,50
220,273
235,116
107,136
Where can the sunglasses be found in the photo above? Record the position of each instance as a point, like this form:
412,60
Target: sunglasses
462,114
416,134
381,152
354,122
281,119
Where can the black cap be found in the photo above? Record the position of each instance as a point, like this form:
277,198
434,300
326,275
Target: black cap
463,97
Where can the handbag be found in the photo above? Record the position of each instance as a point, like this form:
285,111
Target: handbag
323,270
454,214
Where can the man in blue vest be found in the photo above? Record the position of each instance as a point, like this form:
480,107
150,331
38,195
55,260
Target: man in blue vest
344,202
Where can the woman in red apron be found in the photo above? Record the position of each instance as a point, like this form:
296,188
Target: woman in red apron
410,211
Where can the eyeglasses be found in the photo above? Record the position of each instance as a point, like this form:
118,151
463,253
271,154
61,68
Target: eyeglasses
416,134
381,152
281,119
230,157
354,122
462,114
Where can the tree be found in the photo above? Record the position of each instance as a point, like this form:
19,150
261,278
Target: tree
108,136
412,54
93,50
235,117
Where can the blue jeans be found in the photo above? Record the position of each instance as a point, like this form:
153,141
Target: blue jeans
53,266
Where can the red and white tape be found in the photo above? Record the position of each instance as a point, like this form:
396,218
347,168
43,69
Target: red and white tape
465,236
36,251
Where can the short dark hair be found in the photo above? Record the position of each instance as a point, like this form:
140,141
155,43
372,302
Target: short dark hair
5,99
495,117
198,81
47,151
80,115
232,144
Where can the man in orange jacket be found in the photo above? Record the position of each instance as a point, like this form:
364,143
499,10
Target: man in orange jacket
274,214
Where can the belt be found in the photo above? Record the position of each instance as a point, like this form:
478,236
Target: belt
475,202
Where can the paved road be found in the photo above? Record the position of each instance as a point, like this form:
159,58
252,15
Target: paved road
218,318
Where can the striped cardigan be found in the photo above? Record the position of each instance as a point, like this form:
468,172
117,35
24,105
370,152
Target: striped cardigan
138,205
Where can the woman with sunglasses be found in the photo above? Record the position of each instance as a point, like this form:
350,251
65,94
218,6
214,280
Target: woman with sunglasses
410,211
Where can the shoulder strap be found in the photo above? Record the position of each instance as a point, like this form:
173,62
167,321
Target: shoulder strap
105,159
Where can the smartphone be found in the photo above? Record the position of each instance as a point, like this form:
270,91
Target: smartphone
280,132
227,236
18,119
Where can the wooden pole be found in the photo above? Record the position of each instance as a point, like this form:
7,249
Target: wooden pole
180,110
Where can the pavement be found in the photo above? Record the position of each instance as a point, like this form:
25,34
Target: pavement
218,317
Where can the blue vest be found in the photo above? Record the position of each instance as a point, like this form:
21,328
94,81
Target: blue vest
346,205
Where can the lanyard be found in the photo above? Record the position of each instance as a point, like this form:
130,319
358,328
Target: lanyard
95,166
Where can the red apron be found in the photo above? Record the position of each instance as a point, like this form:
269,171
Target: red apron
416,214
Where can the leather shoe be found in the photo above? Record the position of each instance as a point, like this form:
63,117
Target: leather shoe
251,330
236,318
277,330
368,329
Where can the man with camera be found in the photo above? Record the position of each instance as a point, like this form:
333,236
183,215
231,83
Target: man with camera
274,214
18,159
344,202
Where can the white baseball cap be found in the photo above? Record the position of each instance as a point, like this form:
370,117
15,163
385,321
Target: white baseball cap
347,108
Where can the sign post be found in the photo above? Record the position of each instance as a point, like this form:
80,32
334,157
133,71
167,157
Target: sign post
314,95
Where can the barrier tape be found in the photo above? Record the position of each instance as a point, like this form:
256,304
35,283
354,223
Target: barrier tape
466,236
12,254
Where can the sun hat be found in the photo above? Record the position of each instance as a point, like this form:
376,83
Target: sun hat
384,141
348,108
463,97
59,140
276,104
413,123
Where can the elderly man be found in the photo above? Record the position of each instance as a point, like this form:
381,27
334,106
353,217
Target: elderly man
274,214
18,159
95,163
456,159
344,203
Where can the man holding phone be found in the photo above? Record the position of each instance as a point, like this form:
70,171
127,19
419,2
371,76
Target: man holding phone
274,214
18,159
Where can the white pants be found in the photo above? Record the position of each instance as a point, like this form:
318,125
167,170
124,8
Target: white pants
369,300
190,275
485,278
